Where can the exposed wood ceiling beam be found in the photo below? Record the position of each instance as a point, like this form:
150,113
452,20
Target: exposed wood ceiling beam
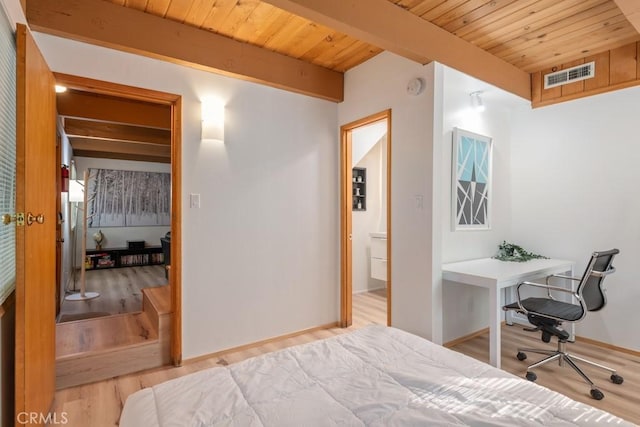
101,107
631,9
110,25
104,130
120,156
383,24
110,146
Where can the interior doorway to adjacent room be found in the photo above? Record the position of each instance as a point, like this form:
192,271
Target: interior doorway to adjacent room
366,221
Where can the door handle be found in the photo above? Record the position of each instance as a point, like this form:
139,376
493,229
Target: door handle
31,218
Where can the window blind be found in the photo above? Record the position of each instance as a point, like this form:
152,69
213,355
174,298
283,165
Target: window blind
7,155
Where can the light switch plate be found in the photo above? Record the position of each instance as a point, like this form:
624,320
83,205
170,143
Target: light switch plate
194,201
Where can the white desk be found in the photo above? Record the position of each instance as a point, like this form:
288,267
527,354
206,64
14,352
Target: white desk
497,275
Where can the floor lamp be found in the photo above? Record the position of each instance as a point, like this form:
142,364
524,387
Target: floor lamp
75,188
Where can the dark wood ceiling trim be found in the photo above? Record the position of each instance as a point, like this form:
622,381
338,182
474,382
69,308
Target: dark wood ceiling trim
110,146
631,9
110,25
101,107
94,129
120,156
390,27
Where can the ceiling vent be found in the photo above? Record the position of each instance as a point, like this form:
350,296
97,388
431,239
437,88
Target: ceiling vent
570,75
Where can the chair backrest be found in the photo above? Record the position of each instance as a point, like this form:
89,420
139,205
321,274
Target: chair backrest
590,287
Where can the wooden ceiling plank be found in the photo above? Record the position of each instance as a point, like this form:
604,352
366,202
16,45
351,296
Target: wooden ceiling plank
237,18
110,146
459,12
475,15
219,15
631,9
158,7
99,107
178,9
136,4
261,17
120,156
442,9
199,11
108,25
359,53
387,26
556,31
623,37
516,9
552,18
424,6
600,33
114,131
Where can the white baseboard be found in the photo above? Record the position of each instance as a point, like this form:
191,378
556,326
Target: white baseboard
369,290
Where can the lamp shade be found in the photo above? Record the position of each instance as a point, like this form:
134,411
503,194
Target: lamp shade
76,191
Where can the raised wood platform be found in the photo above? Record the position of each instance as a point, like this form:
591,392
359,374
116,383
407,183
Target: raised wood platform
105,347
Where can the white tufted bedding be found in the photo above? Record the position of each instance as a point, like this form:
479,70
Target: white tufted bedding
375,376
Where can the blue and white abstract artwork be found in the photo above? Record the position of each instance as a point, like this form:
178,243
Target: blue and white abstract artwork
471,180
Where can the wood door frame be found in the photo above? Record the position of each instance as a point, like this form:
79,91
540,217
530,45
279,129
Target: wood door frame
346,273
175,103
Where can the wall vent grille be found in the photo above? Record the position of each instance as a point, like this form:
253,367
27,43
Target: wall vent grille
570,75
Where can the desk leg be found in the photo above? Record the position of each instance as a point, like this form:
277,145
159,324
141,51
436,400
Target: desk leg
494,326
573,300
509,297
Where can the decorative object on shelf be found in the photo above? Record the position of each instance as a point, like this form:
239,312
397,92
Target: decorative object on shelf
471,189
515,253
98,237
359,193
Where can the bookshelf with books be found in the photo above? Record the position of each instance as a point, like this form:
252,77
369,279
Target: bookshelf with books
123,257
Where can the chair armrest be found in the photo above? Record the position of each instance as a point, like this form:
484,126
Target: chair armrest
547,287
562,276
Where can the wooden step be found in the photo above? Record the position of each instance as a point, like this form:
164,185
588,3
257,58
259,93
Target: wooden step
105,347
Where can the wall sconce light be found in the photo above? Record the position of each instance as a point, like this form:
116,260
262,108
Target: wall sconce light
212,120
476,101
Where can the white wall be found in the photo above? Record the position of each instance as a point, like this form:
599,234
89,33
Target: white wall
365,222
573,186
116,237
364,138
371,87
466,308
260,257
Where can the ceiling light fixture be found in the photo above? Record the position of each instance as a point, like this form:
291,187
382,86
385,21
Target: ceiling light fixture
476,101
60,89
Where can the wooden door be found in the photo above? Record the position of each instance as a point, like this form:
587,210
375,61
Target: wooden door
35,241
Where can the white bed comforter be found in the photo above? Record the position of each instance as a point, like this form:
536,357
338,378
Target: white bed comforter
375,376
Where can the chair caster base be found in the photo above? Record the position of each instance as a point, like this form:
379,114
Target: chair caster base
531,376
597,394
617,379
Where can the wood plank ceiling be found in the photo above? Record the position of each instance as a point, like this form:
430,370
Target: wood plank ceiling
530,35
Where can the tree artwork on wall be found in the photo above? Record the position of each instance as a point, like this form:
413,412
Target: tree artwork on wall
118,198
471,196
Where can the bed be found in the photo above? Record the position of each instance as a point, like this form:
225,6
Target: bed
377,376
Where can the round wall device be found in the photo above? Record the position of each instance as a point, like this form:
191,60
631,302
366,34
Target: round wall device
415,86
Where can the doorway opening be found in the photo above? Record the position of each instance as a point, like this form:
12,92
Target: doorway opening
366,221
140,130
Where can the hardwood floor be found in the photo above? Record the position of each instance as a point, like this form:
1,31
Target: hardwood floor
120,291
100,404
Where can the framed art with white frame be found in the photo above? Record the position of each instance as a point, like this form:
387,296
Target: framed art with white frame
471,176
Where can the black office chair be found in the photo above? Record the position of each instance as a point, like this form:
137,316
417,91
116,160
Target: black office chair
547,315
